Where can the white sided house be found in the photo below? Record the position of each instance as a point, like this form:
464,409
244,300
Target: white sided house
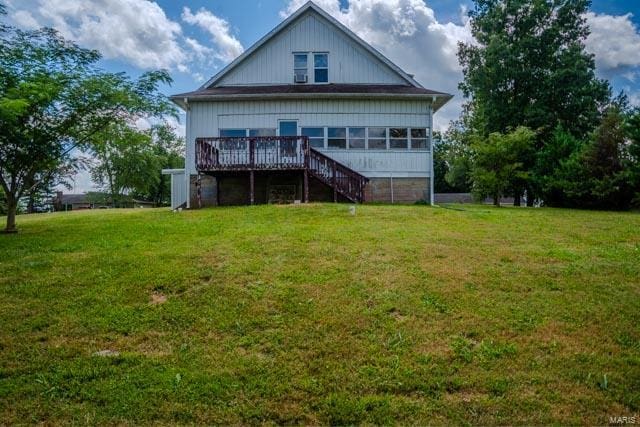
310,112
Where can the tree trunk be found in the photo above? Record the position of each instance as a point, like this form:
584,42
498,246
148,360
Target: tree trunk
496,200
12,207
516,199
32,201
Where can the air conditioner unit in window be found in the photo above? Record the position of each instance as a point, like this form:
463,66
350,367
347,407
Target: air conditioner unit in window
300,78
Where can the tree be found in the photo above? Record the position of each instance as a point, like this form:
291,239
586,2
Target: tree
53,100
528,67
124,161
632,161
597,175
168,148
128,161
496,163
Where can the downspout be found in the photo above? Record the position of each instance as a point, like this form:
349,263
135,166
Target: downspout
187,168
431,177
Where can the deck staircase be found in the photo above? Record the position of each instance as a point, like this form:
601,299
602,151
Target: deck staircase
279,153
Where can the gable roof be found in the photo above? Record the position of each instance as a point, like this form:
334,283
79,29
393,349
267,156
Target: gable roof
310,6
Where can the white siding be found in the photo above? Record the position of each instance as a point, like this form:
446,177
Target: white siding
348,62
205,119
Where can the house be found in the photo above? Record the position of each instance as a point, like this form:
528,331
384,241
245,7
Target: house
310,112
93,200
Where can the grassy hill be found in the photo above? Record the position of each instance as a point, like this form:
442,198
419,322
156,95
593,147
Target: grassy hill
306,314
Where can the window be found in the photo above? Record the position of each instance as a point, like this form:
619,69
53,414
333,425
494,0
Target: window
398,139
288,128
261,145
262,132
320,68
337,138
419,139
377,138
316,136
356,138
300,67
233,133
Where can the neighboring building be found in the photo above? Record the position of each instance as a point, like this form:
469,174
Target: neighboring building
309,112
71,202
93,200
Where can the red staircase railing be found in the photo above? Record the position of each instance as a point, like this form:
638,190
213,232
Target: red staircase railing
341,178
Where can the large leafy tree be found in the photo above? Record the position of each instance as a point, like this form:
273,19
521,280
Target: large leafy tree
54,100
528,67
497,167
128,161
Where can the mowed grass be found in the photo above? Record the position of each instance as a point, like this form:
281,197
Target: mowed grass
308,315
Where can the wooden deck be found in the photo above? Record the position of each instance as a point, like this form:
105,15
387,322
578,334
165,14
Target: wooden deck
223,154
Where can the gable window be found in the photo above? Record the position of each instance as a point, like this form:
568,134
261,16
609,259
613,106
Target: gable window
377,138
300,69
337,138
316,136
419,139
320,68
398,139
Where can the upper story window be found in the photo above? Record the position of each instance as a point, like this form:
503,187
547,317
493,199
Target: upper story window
320,68
300,69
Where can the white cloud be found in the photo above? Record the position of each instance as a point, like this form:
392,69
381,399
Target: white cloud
614,40
228,47
409,34
25,19
199,50
136,31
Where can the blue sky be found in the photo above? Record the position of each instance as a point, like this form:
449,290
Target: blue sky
194,39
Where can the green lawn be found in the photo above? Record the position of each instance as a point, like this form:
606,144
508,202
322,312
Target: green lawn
308,315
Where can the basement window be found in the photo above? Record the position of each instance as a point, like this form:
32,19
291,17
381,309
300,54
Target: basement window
320,68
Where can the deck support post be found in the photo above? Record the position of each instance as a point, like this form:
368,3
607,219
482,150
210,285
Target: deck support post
199,191
334,183
251,187
306,185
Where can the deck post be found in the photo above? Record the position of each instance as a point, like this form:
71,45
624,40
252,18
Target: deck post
251,187
199,191
306,185
333,180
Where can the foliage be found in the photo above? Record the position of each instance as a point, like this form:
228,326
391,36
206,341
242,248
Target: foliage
53,100
598,173
632,160
497,163
442,152
529,67
128,162
302,315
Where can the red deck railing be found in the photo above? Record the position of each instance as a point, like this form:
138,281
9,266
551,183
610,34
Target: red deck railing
250,153
278,153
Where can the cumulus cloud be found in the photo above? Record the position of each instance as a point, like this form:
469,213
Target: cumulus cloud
409,34
135,31
614,40
228,47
